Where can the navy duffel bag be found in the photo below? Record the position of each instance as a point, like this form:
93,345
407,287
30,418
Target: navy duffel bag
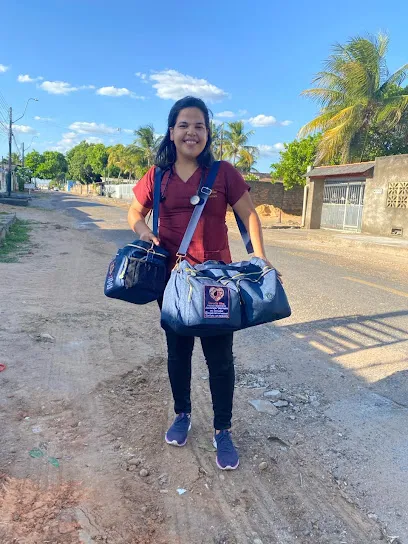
138,272
215,298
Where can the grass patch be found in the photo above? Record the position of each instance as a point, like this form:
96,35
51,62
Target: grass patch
16,242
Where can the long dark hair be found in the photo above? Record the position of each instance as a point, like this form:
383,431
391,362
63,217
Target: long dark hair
167,155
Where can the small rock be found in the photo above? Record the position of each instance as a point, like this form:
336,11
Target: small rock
373,517
163,479
281,403
292,418
164,490
202,470
135,462
297,409
315,403
131,468
222,477
144,472
264,406
258,541
303,398
273,395
263,465
46,337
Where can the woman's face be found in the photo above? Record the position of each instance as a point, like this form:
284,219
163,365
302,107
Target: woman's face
189,134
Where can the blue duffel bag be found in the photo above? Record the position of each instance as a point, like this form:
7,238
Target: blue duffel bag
138,272
215,298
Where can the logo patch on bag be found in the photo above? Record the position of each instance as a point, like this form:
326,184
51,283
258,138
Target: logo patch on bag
216,302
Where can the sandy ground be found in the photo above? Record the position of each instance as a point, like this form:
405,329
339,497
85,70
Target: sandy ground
85,402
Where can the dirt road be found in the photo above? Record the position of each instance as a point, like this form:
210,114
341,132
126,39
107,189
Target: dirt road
85,402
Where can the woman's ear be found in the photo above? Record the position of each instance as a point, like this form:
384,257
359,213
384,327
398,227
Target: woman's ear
171,132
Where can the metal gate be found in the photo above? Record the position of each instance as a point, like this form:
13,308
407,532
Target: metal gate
343,205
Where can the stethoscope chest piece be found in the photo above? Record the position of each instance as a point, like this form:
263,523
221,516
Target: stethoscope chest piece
194,200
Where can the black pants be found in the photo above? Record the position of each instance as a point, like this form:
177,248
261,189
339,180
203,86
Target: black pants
218,355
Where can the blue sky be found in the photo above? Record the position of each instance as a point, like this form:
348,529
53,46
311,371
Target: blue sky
97,67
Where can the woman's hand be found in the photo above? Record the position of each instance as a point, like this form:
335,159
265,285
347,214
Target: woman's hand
279,275
148,236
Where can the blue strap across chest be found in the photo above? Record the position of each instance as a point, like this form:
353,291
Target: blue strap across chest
204,193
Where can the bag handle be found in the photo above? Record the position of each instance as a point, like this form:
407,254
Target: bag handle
205,192
158,176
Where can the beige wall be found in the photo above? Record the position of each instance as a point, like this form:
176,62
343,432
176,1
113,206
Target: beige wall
377,218
314,203
290,201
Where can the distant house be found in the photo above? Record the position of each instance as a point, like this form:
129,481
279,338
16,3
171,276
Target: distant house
370,197
3,178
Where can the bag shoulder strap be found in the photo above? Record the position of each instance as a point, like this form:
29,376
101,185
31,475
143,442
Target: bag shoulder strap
198,210
205,192
158,176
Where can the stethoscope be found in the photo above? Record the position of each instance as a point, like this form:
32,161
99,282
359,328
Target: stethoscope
195,199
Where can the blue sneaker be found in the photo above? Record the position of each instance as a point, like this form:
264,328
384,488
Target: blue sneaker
177,434
227,455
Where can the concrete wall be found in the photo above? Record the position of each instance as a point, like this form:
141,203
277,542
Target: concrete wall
314,203
273,194
377,218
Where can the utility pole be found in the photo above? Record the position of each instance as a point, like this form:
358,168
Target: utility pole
10,141
22,154
9,158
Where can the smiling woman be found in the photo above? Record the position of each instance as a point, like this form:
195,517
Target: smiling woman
186,159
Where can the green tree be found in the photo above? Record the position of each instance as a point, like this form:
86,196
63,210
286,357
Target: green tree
236,139
355,93
97,155
294,160
146,145
32,161
15,158
247,159
116,158
78,164
382,142
54,166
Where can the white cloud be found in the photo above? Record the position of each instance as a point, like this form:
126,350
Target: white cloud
225,114
57,87
172,85
270,150
71,139
3,68
116,91
38,118
24,129
83,127
128,131
28,79
242,112
286,123
87,87
262,121
141,75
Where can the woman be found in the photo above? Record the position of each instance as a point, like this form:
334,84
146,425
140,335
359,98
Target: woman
185,155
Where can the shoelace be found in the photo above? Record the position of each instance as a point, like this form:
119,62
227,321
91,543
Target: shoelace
224,442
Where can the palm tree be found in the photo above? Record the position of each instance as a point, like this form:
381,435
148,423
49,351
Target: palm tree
236,140
146,144
247,159
117,158
356,93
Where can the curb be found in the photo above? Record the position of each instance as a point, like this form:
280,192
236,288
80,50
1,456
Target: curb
6,222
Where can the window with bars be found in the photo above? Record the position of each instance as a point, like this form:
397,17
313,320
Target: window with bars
397,196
